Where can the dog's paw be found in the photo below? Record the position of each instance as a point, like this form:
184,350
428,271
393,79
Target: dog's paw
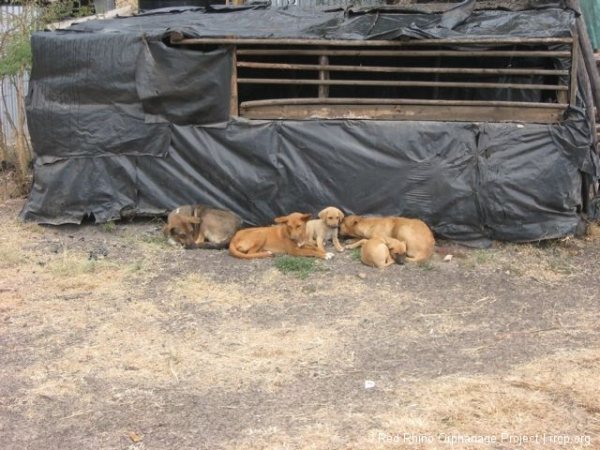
341,249
270,253
329,256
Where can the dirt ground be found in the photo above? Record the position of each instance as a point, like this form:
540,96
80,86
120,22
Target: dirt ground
112,339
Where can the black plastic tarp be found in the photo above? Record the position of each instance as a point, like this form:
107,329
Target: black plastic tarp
121,124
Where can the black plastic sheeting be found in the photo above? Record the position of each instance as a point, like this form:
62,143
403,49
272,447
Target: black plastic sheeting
122,125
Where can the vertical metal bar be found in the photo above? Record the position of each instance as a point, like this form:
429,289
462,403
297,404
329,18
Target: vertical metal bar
233,100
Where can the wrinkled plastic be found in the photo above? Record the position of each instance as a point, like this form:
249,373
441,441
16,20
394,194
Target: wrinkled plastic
121,125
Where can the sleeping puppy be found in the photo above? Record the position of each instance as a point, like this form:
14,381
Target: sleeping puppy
413,232
200,226
325,228
381,252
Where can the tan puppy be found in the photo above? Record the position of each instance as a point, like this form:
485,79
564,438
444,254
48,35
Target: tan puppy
287,238
414,232
199,226
381,252
325,228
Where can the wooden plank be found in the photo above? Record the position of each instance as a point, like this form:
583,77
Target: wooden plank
323,76
233,100
401,112
389,101
409,53
574,70
383,69
589,63
547,87
175,40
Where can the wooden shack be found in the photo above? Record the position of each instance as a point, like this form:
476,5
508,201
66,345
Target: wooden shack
479,121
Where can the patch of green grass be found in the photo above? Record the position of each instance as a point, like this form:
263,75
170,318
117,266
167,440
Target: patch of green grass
354,254
426,265
154,239
299,266
68,266
482,256
136,266
109,227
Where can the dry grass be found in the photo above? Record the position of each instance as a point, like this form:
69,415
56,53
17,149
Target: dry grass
550,398
287,358
593,232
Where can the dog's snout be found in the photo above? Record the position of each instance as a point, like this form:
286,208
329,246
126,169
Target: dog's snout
399,259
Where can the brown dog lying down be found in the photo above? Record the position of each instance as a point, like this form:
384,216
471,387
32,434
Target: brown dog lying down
200,226
413,232
325,228
380,252
287,238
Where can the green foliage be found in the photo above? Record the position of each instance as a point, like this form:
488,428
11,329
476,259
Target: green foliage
355,254
300,266
55,11
17,55
109,227
15,46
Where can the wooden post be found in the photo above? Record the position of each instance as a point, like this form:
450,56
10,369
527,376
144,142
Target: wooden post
323,75
588,54
574,69
233,99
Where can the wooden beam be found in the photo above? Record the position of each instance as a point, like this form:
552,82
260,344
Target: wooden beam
403,101
409,53
323,75
299,82
589,62
401,112
233,100
175,40
574,71
383,69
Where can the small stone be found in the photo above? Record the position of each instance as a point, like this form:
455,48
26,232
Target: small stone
362,275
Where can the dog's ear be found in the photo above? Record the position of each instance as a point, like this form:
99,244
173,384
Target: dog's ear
306,217
323,214
192,219
341,214
351,221
282,219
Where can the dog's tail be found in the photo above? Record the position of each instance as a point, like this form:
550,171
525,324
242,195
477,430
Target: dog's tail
208,245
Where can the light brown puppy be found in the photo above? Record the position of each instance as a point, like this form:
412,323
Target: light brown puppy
381,252
325,228
287,238
414,232
200,226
